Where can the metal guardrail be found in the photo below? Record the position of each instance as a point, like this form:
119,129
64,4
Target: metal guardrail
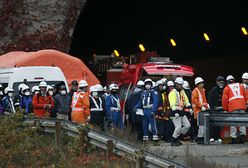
220,118
104,141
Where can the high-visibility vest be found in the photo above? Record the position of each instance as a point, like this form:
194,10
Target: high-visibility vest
235,91
97,107
74,103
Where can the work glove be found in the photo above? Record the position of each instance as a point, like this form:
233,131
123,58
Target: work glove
191,111
177,115
88,119
127,117
203,108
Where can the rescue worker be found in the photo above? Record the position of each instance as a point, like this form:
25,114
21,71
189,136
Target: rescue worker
178,102
245,84
149,105
35,90
170,85
113,107
26,100
7,102
74,88
18,96
215,103
234,100
80,104
50,90
106,91
62,103
135,118
100,90
1,98
191,133
97,107
163,110
199,103
42,102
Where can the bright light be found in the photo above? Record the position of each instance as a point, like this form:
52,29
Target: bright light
244,30
116,53
142,48
206,37
173,43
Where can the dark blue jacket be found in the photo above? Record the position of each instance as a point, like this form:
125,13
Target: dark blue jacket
26,104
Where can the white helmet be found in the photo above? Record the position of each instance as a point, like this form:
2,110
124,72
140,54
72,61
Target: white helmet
163,80
179,80
49,87
170,83
186,85
148,80
8,89
105,88
99,87
140,83
35,88
24,88
230,77
43,84
113,86
82,83
245,75
21,86
159,82
198,80
93,89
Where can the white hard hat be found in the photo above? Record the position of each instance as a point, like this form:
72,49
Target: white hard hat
186,85
245,75
93,89
43,84
99,87
198,80
163,80
148,80
159,82
105,88
140,83
35,88
8,89
170,83
24,88
179,80
230,77
49,87
113,86
21,86
82,83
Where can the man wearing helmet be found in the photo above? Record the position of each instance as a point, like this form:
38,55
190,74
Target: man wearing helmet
42,102
7,102
97,107
179,102
113,107
80,112
149,105
26,100
234,100
245,84
135,118
199,103
1,97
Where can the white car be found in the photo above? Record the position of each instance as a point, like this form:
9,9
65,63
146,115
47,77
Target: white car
13,77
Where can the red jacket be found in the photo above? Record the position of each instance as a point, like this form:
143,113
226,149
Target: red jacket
39,103
234,97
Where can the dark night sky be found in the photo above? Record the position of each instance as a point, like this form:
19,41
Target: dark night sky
105,25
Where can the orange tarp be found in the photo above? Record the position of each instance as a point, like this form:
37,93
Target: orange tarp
72,67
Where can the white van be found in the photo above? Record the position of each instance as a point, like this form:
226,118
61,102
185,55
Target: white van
13,77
